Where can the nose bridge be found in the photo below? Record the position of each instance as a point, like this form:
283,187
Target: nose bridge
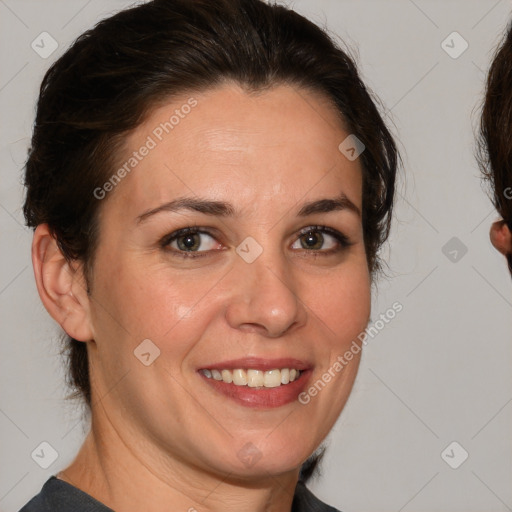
265,295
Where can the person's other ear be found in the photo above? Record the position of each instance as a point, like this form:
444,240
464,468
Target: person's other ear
501,237
61,286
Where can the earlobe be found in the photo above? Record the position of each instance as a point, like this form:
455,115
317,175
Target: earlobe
501,238
60,286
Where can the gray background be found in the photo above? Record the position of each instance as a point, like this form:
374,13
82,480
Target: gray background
439,372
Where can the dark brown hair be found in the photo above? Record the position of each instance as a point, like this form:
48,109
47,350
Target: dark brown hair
495,140
114,74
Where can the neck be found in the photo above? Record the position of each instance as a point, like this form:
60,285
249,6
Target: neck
123,476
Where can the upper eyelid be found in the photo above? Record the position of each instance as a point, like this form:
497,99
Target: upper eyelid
340,236
167,239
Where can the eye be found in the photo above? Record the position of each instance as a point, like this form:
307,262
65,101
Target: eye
194,242
321,239
187,241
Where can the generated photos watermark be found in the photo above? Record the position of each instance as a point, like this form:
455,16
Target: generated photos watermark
343,359
151,142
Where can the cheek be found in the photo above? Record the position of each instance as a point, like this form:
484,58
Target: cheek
342,303
148,301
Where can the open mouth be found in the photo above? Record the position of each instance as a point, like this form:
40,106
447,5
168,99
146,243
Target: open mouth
253,378
258,388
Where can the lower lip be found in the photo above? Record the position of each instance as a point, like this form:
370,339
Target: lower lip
263,398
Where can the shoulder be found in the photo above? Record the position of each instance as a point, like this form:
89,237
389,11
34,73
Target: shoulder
305,501
59,496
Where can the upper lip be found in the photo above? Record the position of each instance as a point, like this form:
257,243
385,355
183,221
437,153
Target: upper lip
257,363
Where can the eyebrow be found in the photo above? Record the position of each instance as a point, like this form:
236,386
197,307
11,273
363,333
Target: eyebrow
223,209
342,202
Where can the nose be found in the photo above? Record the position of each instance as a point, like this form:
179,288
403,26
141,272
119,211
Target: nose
265,297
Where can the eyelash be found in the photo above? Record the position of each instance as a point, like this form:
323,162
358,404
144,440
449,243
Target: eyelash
343,241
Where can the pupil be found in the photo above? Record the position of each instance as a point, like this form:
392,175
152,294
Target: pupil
188,242
313,240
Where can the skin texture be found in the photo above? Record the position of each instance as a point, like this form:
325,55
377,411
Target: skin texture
161,427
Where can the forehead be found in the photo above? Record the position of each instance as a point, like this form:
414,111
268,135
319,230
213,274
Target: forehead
234,145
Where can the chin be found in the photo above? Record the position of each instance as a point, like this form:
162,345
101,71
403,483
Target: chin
270,458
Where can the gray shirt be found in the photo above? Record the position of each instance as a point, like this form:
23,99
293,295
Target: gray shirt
59,496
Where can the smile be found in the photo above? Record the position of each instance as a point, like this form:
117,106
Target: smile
254,378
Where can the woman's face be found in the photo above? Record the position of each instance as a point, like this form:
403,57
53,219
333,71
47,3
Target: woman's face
271,275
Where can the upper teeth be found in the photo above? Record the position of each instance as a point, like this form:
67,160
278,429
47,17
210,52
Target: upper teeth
254,378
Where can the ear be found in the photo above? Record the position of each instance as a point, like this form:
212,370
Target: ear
61,286
501,237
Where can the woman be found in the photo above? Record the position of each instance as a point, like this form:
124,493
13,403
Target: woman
209,184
